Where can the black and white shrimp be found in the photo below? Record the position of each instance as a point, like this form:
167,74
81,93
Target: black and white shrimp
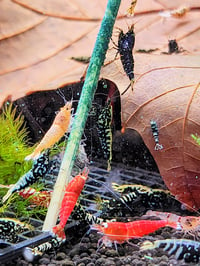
189,250
10,228
155,132
105,132
31,253
39,169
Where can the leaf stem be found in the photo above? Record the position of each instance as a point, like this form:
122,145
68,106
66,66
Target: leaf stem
88,91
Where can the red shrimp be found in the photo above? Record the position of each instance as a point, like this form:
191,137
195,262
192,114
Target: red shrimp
119,232
56,131
70,198
39,198
188,223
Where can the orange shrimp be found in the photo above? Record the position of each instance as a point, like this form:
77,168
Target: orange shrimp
131,9
188,223
176,13
119,232
70,198
56,131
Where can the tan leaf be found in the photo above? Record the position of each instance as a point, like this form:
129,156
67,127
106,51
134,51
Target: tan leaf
38,39
168,92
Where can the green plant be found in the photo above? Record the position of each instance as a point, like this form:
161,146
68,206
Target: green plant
13,145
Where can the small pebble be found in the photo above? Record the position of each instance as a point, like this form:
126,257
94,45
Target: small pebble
163,263
45,261
100,262
111,253
84,254
138,262
60,256
109,263
84,260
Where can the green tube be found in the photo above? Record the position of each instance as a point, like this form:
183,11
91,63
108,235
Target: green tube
85,103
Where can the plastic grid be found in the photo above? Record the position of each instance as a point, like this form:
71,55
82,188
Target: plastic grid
98,183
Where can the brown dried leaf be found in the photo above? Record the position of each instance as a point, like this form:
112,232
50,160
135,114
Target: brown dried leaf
38,39
168,92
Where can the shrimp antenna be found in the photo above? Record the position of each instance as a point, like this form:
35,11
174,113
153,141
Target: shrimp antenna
110,190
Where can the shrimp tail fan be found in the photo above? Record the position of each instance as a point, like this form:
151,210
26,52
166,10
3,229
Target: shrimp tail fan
59,231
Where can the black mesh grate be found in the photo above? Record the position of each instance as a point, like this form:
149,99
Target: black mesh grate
98,183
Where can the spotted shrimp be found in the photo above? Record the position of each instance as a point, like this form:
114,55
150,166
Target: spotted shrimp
11,227
104,131
59,127
39,169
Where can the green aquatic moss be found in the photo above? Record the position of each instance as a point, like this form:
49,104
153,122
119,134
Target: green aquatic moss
13,146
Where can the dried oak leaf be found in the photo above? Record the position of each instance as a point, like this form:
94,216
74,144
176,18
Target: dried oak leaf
167,90
38,39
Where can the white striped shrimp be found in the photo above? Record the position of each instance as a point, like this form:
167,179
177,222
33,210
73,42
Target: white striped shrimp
189,224
189,250
31,253
59,127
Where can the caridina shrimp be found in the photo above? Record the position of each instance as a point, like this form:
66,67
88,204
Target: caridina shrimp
59,127
175,13
124,47
10,228
119,232
189,224
105,132
39,169
72,192
39,198
186,249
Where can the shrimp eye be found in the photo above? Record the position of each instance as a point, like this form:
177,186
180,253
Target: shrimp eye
105,225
